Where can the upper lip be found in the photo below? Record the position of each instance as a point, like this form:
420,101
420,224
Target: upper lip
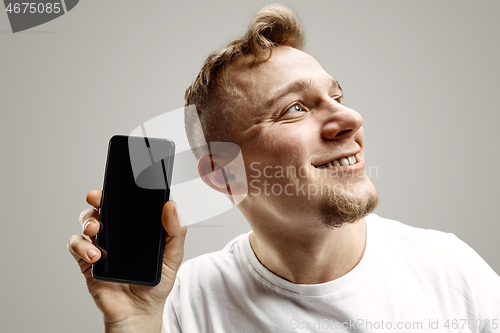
337,158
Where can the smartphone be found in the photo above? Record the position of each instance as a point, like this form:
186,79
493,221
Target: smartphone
136,187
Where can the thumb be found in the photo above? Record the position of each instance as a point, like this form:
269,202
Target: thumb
176,234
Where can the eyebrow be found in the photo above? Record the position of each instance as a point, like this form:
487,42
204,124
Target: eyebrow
294,87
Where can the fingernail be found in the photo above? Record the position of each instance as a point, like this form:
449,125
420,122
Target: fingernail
91,253
86,224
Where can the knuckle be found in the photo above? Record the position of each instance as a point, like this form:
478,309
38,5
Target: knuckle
176,254
184,231
76,244
88,215
71,241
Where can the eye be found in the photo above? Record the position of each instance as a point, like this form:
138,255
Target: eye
295,108
294,111
338,98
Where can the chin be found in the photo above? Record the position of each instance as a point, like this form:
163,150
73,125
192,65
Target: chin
342,207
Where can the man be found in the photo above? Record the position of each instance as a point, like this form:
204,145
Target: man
316,259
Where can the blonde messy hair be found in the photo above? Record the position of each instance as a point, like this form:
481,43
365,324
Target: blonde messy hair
273,25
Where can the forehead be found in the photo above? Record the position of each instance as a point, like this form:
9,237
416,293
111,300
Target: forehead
285,64
255,83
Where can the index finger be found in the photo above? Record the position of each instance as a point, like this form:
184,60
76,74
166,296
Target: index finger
94,198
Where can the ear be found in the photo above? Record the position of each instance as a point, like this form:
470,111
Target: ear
212,174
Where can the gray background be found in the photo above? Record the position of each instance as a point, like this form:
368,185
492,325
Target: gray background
424,75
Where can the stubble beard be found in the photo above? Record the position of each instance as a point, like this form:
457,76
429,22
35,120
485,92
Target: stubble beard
339,208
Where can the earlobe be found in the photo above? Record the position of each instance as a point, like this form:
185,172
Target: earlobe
212,174
226,176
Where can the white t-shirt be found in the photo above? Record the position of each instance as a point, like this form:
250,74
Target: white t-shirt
409,280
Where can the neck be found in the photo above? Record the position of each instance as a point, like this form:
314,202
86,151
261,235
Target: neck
310,257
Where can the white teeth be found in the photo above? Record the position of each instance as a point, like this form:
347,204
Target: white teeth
340,162
344,161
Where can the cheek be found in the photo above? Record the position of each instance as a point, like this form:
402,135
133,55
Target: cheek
291,141
269,158
280,147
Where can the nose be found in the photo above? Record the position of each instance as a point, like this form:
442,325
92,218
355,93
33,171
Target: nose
339,121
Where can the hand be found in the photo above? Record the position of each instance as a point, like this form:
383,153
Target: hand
122,305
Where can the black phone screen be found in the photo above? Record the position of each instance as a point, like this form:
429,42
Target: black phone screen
136,187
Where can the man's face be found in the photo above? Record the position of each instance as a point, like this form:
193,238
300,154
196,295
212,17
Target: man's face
293,131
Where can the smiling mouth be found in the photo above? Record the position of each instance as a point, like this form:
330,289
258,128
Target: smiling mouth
345,161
